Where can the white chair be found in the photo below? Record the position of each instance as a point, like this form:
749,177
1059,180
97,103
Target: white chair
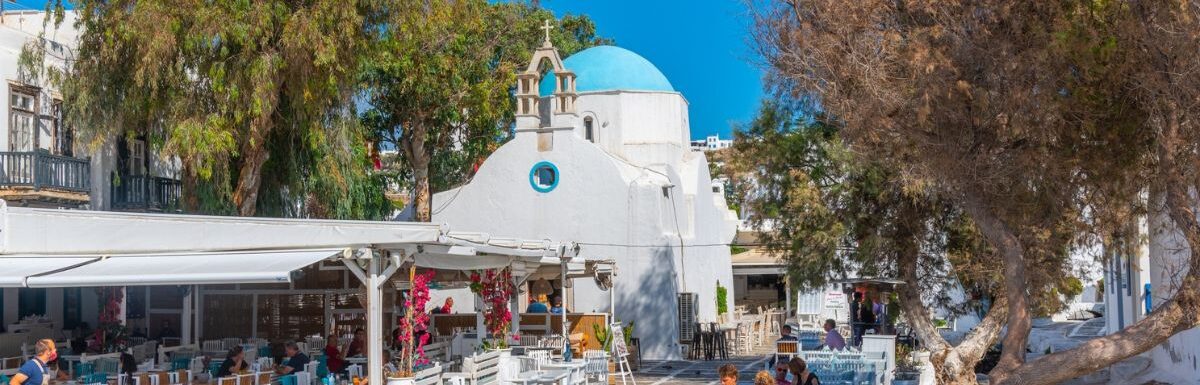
429,376
311,368
303,346
354,371
596,366
264,363
229,343
212,346
303,378
538,358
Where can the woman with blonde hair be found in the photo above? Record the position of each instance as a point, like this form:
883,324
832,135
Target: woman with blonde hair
763,378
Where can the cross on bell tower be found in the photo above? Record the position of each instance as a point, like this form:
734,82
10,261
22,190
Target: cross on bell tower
528,82
546,29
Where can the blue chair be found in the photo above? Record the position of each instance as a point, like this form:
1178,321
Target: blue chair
288,380
84,369
213,368
181,363
95,378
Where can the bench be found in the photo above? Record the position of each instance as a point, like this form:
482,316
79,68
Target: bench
437,352
479,369
428,376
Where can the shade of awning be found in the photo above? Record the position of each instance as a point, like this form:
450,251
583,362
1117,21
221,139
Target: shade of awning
14,269
186,269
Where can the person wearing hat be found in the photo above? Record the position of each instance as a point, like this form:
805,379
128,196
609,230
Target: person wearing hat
36,371
538,306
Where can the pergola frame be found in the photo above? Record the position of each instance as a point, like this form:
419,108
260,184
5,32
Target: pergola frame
373,251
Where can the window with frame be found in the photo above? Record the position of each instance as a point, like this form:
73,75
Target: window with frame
137,157
22,121
589,131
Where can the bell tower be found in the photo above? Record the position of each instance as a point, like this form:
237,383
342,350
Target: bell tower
561,111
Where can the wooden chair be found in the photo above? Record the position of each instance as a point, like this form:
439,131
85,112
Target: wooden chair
477,370
180,377
429,376
230,380
262,378
786,349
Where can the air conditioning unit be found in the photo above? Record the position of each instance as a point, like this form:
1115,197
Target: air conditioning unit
688,313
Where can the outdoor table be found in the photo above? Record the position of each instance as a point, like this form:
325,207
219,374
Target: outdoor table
542,377
361,360
574,367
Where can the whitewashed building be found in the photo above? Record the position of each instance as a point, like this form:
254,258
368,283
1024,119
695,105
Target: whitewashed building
601,155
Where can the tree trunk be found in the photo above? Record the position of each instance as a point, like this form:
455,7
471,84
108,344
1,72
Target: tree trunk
419,156
1000,236
1181,312
951,364
245,197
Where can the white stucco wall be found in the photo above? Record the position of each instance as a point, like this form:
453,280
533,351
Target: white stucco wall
20,27
610,199
1178,359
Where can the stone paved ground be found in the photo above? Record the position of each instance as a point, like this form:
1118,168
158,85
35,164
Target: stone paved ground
699,372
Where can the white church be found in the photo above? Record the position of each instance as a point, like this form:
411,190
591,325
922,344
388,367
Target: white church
602,144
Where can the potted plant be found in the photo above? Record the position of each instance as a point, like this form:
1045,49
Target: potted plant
412,356
495,288
907,368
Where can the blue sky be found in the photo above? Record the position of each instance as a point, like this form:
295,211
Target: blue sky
700,46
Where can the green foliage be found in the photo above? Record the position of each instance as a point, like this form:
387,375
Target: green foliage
722,299
250,96
440,82
735,249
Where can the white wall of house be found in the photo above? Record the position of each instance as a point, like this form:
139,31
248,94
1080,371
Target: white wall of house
30,101
1178,359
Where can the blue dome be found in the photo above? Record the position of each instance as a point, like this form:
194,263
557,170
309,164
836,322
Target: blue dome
607,68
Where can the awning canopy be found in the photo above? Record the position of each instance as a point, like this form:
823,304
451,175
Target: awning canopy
16,268
185,269
79,232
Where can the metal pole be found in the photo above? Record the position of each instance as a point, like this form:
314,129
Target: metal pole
563,304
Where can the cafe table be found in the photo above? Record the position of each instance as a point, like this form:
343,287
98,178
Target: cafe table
575,368
542,377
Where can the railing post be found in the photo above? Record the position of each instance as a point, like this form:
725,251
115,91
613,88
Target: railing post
37,170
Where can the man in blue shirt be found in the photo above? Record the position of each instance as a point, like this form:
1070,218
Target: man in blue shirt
556,307
538,306
35,371
296,359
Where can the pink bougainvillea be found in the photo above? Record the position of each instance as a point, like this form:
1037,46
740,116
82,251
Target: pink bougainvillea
416,321
495,288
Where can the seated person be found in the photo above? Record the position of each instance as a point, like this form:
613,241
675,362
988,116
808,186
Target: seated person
447,307
538,306
235,363
296,359
388,365
358,345
333,355
781,374
786,334
833,339
556,307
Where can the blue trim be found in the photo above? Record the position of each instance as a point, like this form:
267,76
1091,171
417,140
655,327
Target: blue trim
533,177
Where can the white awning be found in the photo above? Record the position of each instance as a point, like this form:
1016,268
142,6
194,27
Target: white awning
185,269
79,232
14,269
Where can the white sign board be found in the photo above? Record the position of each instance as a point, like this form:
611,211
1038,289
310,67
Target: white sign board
617,333
835,300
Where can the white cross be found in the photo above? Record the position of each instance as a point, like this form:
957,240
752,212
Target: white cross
546,27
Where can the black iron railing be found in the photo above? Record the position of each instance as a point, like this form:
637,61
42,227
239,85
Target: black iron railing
40,170
140,192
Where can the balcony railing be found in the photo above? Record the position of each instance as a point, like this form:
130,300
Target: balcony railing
40,170
140,192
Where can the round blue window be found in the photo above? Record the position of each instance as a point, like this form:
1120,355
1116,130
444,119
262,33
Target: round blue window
543,177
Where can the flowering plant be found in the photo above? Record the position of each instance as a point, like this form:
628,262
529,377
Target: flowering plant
415,320
495,287
110,334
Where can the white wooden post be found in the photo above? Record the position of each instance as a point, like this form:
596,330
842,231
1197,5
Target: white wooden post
185,318
374,323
